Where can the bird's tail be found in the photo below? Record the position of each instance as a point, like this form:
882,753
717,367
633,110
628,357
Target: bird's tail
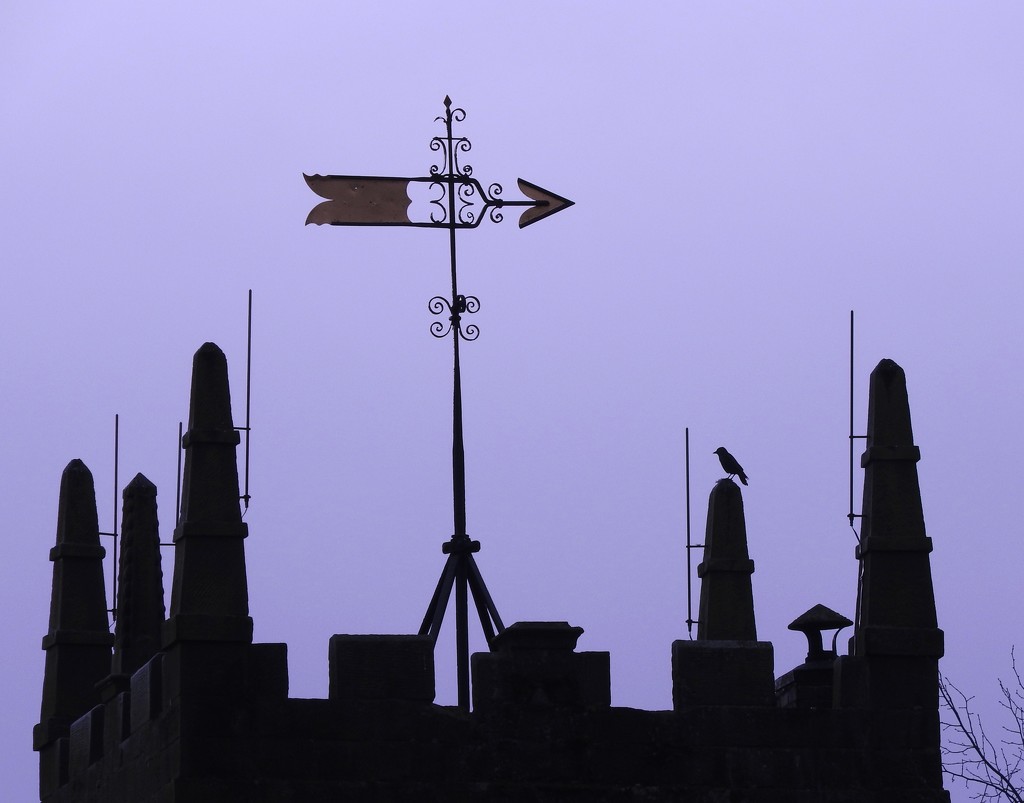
743,478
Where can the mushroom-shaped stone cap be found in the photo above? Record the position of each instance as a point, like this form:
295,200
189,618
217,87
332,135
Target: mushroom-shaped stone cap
819,618
812,622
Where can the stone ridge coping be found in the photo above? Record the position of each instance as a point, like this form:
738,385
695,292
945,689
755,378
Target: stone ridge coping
74,549
230,437
212,528
893,543
93,637
908,454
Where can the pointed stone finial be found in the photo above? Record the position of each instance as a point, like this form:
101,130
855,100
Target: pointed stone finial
896,629
726,665
209,596
78,642
892,494
209,489
140,592
726,597
889,407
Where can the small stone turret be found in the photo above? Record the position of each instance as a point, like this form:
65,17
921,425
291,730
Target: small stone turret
897,642
140,592
726,665
726,596
209,597
79,639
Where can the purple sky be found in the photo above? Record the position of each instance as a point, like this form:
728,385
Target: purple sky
744,176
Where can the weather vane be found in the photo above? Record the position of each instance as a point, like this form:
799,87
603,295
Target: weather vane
461,203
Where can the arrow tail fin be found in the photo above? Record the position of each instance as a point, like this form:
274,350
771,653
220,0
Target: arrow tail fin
360,200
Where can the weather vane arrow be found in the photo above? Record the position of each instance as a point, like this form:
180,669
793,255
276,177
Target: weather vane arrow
385,201
461,203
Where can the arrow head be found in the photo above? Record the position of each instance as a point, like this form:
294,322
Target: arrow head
547,203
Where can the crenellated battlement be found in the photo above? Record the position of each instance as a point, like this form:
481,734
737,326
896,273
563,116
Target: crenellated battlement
190,709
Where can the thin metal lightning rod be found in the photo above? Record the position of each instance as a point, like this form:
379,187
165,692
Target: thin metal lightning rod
177,498
112,610
851,515
117,450
690,546
245,497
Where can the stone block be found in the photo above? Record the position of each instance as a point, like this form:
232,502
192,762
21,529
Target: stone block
730,673
806,686
146,693
381,667
207,627
86,743
118,722
266,671
849,688
53,766
204,670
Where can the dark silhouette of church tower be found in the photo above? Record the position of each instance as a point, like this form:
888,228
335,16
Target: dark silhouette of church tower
190,710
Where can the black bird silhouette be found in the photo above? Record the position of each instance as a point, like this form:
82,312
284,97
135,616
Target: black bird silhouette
732,468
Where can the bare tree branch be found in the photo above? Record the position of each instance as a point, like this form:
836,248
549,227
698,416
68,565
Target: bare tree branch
992,771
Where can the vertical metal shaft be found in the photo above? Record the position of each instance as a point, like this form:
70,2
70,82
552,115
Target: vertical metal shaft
850,515
177,496
458,447
248,398
689,547
462,630
113,606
